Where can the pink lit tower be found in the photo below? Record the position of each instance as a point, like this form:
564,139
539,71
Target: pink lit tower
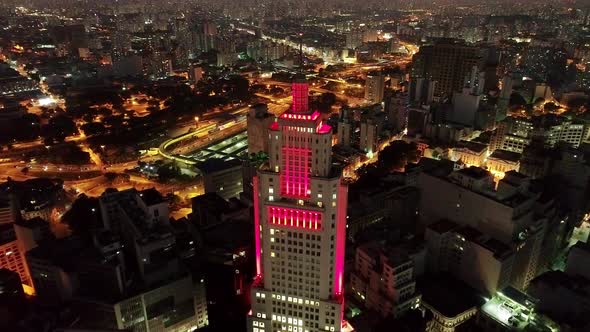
300,227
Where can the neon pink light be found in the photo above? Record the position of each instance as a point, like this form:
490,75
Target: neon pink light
257,249
296,171
294,116
294,218
300,97
340,239
323,128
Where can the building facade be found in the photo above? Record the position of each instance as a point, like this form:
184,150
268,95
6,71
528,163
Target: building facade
300,227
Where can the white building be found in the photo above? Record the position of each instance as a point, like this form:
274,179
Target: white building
300,228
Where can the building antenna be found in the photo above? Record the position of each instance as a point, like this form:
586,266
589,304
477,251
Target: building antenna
301,52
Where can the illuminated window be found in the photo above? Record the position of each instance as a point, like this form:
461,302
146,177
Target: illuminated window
294,218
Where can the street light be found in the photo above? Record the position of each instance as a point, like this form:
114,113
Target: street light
196,119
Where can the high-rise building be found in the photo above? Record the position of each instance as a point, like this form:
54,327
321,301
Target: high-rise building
300,227
11,256
258,121
372,121
345,127
421,91
8,210
510,214
374,88
448,63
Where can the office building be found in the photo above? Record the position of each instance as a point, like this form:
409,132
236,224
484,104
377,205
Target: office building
300,228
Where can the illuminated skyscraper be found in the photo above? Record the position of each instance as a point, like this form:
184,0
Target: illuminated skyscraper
300,227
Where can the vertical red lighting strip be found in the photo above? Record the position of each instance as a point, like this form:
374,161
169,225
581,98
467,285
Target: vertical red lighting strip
340,239
296,171
257,249
294,218
300,97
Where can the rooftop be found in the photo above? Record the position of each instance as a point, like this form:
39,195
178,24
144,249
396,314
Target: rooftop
449,296
505,155
474,172
212,165
472,146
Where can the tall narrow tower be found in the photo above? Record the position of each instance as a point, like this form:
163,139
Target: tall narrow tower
300,228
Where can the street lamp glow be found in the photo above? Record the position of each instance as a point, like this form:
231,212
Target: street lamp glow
46,101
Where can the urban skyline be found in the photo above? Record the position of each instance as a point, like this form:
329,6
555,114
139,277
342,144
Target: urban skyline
294,166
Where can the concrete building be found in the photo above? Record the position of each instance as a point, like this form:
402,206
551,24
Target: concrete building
374,88
11,255
421,91
502,161
177,306
453,303
345,127
222,177
578,260
11,290
130,275
564,298
470,153
448,63
371,126
465,107
480,261
513,310
512,134
8,210
384,280
300,228
258,122
508,214
195,73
